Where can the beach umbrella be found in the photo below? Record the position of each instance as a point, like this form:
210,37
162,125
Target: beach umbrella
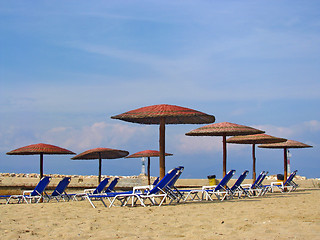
161,115
101,153
255,139
285,146
41,149
148,154
224,129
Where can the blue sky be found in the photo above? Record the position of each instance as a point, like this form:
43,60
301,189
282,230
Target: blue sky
66,67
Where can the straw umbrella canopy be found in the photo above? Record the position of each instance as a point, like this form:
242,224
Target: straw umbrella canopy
148,154
255,139
164,114
101,153
285,146
224,129
41,149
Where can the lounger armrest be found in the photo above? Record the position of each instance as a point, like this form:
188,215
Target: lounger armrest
246,185
27,192
89,191
209,187
277,184
142,188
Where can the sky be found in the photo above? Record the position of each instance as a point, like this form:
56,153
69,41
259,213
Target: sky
66,67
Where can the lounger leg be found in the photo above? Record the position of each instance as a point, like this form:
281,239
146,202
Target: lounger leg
104,204
87,197
25,199
224,196
209,196
186,198
112,202
162,201
217,195
39,198
8,200
140,199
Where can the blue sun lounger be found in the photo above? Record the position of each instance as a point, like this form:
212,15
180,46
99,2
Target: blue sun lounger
256,189
159,191
236,189
220,190
262,189
101,186
60,191
30,195
289,184
173,192
109,189
137,194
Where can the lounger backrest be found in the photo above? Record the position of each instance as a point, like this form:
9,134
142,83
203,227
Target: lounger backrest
240,180
259,184
225,180
258,179
155,181
110,188
174,180
41,186
164,181
61,187
290,178
101,186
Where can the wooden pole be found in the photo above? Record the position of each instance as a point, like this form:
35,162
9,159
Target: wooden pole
224,155
100,163
41,172
149,171
41,165
162,163
253,163
285,164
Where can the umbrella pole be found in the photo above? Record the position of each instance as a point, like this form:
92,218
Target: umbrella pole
100,163
162,148
149,171
285,164
224,155
41,165
253,163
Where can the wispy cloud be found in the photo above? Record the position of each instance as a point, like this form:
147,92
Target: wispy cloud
214,63
292,131
100,134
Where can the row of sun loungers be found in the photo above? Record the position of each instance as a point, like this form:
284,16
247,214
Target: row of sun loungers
156,194
59,193
222,191
39,193
165,191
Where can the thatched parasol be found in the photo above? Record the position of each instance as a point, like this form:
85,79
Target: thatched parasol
285,146
223,129
41,149
101,153
255,139
164,114
148,154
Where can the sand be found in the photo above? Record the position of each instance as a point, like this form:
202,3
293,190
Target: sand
278,216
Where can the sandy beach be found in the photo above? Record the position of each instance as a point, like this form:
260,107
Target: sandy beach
294,215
